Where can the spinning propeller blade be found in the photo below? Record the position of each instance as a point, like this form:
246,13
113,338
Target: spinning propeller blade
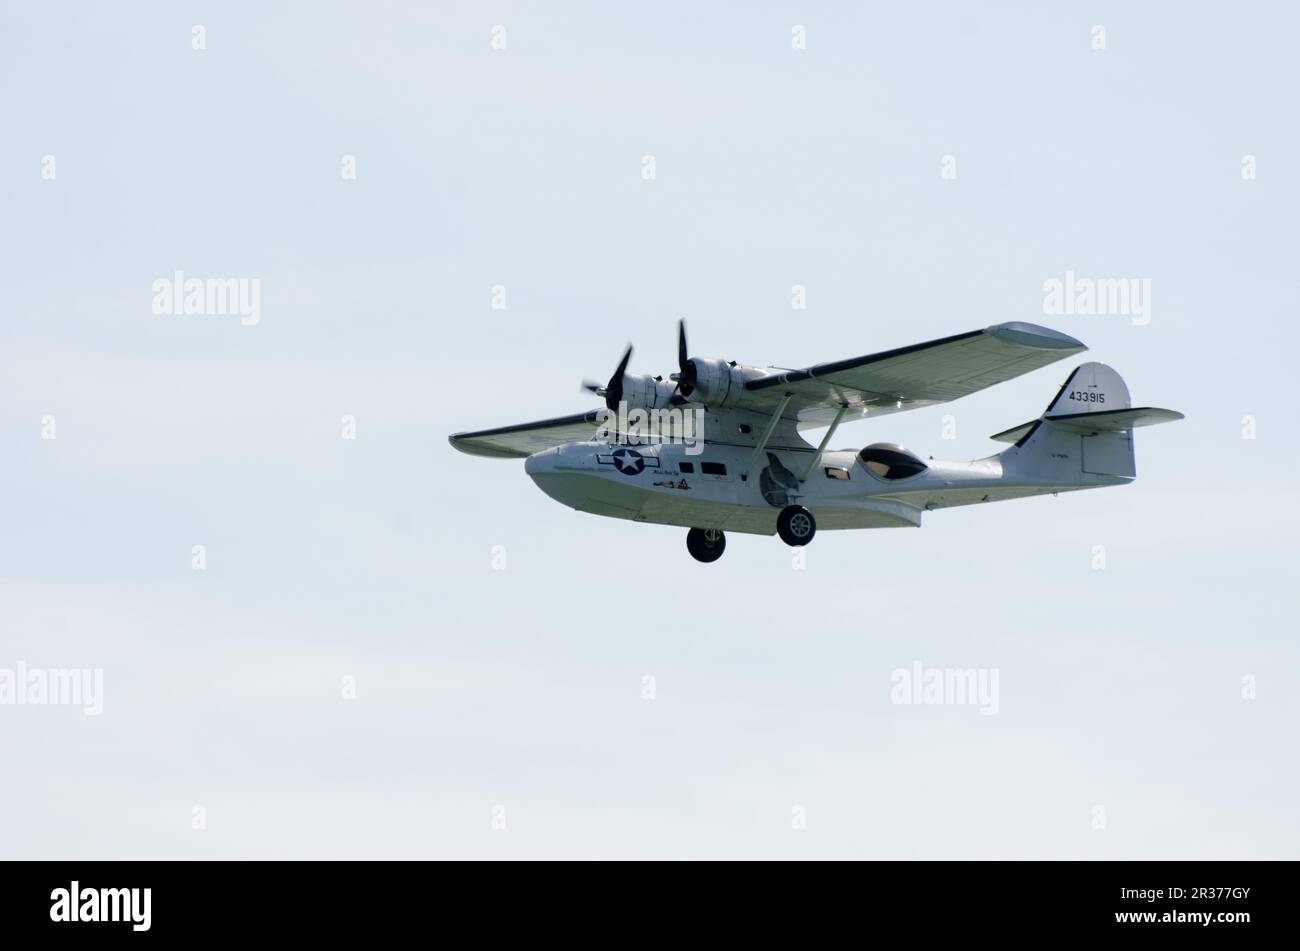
686,375
613,390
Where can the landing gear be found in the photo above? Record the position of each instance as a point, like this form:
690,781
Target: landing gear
706,544
796,525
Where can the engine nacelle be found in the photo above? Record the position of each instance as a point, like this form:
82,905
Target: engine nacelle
713,381
641,391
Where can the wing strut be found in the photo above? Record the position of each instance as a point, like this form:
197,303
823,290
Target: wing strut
767,434
812,463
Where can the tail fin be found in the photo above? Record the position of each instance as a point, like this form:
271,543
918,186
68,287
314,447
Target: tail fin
1086,431
1091,388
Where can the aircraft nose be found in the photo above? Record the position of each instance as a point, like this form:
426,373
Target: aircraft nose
560,483
543,461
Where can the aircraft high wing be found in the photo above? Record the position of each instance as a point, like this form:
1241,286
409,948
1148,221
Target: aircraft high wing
906,378
910,377
517,442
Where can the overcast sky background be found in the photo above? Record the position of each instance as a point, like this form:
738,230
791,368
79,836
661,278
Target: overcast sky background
521,689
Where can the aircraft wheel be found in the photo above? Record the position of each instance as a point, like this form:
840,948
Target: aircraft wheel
706,544
796,525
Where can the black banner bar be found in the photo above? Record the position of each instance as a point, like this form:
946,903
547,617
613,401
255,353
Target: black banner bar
1224,901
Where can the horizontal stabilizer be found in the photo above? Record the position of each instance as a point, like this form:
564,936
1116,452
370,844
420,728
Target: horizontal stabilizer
1015,433
1106,421
1114,420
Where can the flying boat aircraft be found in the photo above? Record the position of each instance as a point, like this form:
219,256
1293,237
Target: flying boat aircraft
746,468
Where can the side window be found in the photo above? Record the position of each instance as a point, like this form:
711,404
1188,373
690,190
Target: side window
889,461
713,468
835,472
686,467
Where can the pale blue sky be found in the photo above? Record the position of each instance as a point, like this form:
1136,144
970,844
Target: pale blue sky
522,688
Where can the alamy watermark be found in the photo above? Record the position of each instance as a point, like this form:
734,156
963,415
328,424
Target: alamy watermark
80,903
642,426
53,686
946,686
1098,296
209,297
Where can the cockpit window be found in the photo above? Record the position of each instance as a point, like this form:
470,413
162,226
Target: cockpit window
889,461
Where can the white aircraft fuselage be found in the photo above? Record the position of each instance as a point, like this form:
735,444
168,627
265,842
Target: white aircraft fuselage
666,484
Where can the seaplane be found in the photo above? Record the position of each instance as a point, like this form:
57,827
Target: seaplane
718,446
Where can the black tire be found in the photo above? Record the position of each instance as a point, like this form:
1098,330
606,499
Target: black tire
796,525
706,544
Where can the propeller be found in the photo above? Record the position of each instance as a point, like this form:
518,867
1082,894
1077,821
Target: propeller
613,390
686,375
